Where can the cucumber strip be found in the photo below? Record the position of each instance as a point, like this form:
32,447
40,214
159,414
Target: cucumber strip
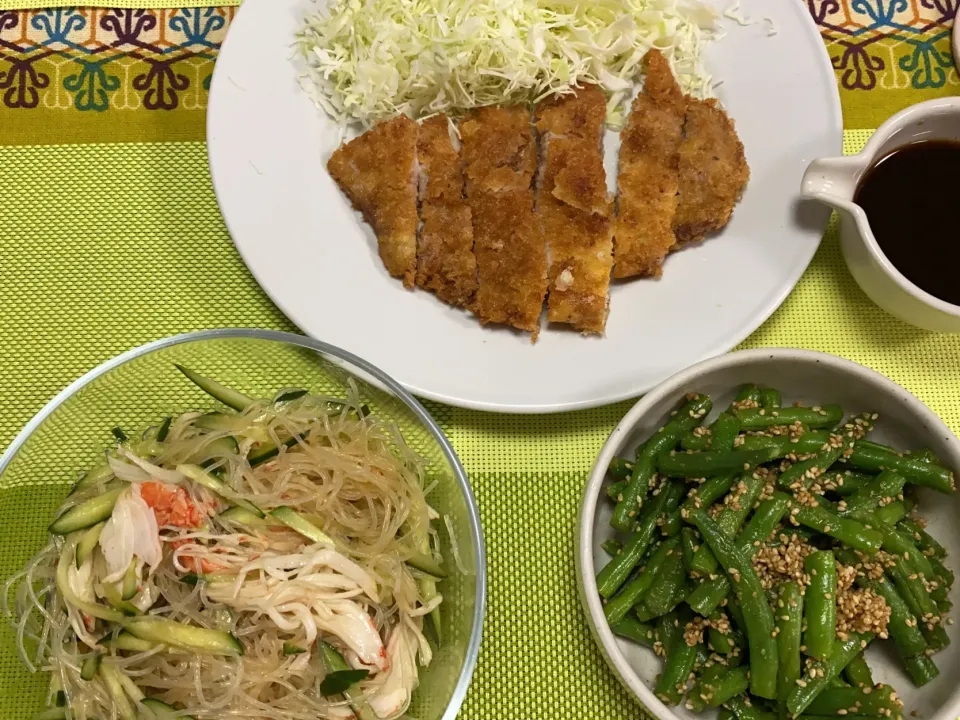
90,666
268,451
289,396
333,662
186,637
129,588
164,429
69,596
96,476
215,449
88,543
237,514
215,421
111,678
295,521
228,396
86,514
163,711
426,563
115,598
291,649
126,641
130,688
202,477
192,578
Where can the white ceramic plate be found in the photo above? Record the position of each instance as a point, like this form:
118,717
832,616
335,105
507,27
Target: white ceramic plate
268,149
805,376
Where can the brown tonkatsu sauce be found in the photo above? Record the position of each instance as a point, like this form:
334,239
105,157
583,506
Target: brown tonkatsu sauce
908,196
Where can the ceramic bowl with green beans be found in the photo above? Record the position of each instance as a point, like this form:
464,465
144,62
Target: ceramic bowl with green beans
772,534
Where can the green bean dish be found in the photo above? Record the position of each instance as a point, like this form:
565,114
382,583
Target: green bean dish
759,555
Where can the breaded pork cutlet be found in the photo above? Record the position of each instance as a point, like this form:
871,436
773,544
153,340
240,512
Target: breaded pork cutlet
499,156
713,172
378,173
445,262
648,174
574,210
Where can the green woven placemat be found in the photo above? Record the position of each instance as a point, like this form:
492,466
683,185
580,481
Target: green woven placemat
104,247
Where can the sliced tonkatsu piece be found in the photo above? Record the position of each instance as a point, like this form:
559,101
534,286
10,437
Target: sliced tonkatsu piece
446,265
500,158
713,171
648,174
378,173
574,210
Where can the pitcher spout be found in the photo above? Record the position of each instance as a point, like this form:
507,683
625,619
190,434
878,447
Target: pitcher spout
833,180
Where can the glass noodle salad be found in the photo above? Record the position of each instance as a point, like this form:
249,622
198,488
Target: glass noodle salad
274,562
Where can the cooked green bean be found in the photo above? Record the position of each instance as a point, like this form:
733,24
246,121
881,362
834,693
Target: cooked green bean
669,628
765,519
615,489
731,517
924,540
757,614
891,513
702,687
921,669
728,685
632,629
887,487
690,414
820,605
789,621
825,417
802,473
915,471
857,672
878,701
847,531
705,464
845,482
722,641
926,455
636,588
748,392
621,469
744,711
770,398
612,547
672,523
707,493
903,625
668,577
672,683
616,572
689,542
718,436
900,543
809,442
912,589
824,671
708,595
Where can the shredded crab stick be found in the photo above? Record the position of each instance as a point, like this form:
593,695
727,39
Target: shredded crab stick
240,545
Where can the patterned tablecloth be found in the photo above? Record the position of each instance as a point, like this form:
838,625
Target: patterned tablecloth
110,236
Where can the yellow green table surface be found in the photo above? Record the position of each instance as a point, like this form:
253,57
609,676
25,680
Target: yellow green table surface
110,237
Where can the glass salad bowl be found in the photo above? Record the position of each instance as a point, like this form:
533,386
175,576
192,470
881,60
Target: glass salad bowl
140,388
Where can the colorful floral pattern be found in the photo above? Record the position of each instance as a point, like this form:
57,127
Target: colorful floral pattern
104,63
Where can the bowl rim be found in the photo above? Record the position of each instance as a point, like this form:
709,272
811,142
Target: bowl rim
476,632
590,598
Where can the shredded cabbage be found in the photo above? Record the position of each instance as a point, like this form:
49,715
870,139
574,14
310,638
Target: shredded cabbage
369,60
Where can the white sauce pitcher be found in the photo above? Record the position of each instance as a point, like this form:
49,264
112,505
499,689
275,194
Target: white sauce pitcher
834,181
